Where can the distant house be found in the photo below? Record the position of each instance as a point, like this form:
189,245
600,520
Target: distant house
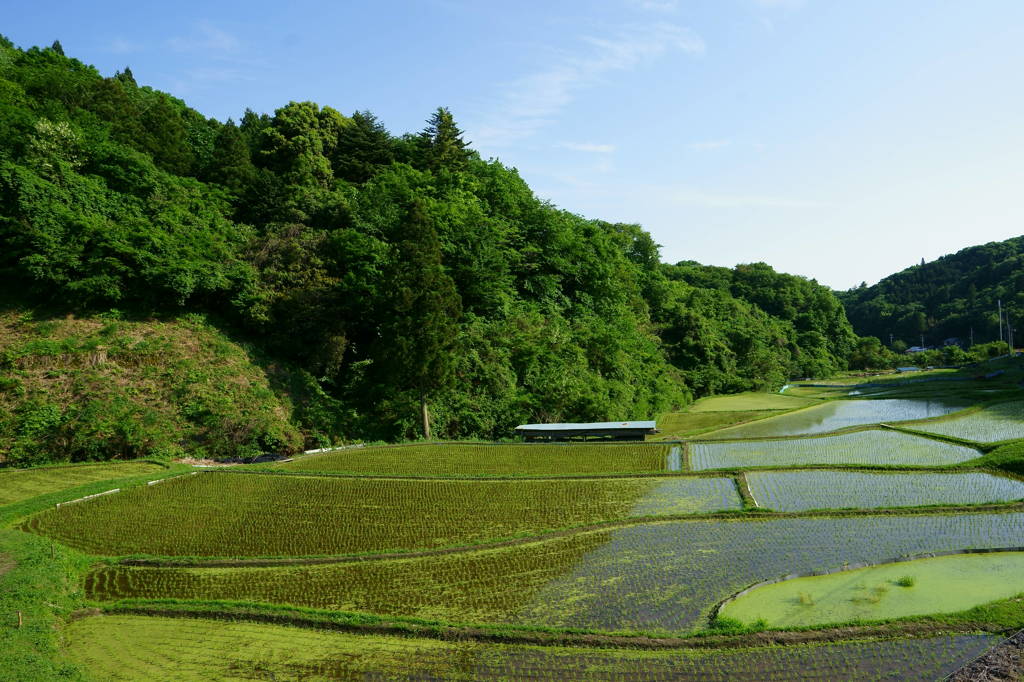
637,430
952,341
917,349
908,369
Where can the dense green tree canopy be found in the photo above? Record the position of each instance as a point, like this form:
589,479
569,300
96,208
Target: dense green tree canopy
956,296
389,271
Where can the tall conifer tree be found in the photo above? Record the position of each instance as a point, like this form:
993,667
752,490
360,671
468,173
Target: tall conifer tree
445,146
424,314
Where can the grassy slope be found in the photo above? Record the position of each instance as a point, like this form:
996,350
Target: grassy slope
90,389
43,579
43,588
22,484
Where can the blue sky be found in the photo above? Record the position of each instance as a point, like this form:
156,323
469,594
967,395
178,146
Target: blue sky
833,139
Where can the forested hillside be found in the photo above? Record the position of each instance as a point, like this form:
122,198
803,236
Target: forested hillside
402,281
751,327
946,298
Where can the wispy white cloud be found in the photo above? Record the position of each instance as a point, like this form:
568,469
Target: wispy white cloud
533,101
588,147
205,38
707,145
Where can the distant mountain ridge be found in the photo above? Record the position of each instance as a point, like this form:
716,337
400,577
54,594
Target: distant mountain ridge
951,297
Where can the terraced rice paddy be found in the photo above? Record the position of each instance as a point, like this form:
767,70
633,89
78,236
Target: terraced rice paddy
25,483
224,514
559,536
937,585
792,491
819,391
125,647
488,460
873,447
687,495
994,423
749,401
653,576
677,425
838,414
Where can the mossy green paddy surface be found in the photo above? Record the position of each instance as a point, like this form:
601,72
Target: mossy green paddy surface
226,514
838,414
127,647
469,459
913,588
740,402
792,491
871,447
677,425
652,576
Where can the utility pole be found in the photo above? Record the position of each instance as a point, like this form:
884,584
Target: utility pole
1009,331
890,339
999,303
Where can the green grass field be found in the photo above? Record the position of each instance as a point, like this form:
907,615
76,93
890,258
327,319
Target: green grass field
872,447
22,484
676,425
488,460
838,414
741,402
937,585
818,391
1001,421
828,489
128,647
228,514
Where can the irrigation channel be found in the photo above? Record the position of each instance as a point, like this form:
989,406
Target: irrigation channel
579,561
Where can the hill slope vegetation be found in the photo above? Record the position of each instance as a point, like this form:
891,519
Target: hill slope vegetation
947,298
406,281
